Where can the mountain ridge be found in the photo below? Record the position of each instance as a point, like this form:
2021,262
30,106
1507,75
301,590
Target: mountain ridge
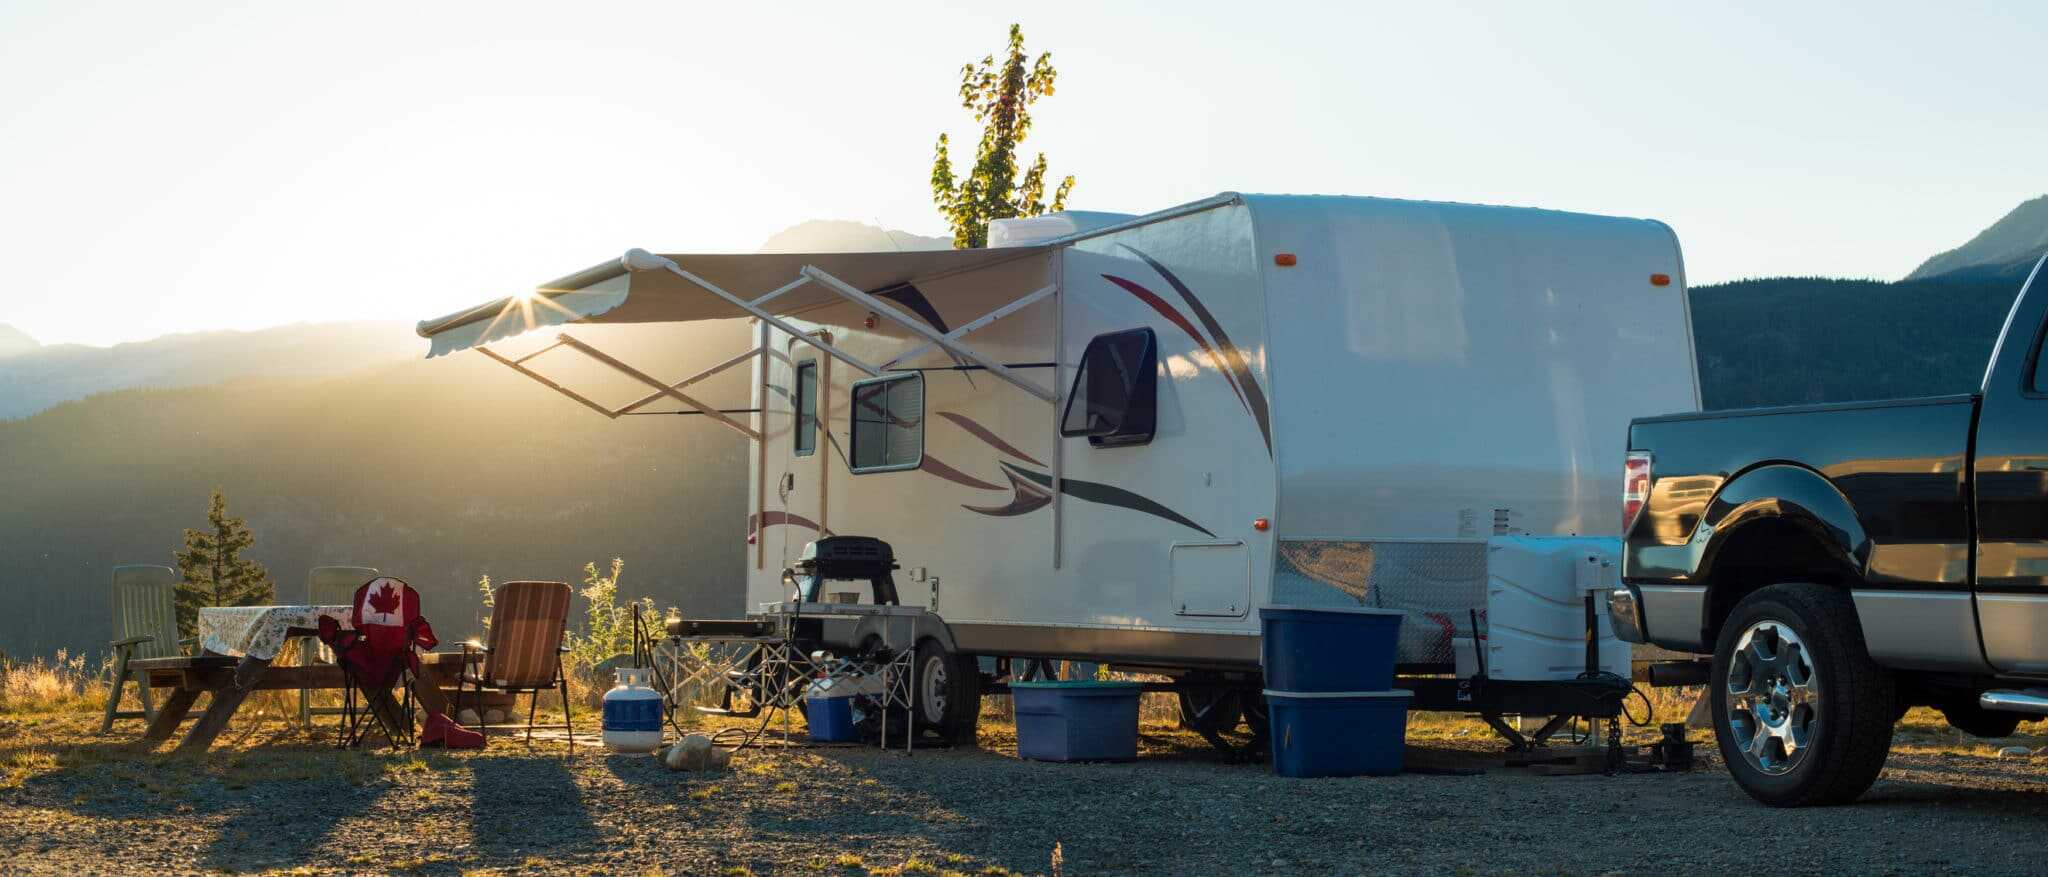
2007,248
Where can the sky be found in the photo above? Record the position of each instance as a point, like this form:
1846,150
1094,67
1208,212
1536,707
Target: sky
181,167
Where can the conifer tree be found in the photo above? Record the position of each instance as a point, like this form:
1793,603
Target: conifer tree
215,573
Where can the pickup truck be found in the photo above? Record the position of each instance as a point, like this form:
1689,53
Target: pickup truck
1843,563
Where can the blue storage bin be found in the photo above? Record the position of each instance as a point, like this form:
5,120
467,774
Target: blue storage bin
1338,734
1350,649
831,719
1077,721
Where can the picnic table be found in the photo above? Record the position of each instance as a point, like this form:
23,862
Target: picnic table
238,645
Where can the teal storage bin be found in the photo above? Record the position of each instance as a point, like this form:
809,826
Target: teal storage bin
1077,721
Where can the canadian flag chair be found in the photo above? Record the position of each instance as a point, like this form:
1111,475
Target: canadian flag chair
377,650
522,650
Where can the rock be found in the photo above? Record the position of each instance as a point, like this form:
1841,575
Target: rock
466,718
495,717
2015,752
695,752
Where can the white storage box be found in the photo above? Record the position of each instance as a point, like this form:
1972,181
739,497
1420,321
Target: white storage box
1535,622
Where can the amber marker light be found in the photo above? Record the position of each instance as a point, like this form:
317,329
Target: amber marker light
1261,524
1660,280
1284,260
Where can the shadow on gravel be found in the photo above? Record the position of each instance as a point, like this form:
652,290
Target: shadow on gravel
528,804
1951,799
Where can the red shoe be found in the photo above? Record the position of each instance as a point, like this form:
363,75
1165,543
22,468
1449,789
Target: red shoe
443,731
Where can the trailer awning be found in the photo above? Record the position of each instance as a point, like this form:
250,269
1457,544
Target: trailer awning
640,288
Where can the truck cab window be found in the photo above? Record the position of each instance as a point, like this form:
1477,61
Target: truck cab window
806,405
1115,399
888,424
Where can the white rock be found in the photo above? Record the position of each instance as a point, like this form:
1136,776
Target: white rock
695,752
466,718
496,717
2015,752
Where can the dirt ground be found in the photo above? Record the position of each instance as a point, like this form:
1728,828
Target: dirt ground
274,799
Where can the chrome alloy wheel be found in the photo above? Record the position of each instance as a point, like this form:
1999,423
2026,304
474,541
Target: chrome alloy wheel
932,687
1773,697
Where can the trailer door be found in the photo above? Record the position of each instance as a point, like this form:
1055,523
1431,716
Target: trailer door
801,490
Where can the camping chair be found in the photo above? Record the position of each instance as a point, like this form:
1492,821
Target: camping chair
326,586
376,651
145,626
523,652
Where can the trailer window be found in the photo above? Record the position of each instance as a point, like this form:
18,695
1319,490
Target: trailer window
1115,400
888,424
806,404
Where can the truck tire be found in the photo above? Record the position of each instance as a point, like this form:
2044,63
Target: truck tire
1802,715
947,692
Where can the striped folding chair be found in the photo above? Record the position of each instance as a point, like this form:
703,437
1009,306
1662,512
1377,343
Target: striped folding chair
326,586
145,626
523,650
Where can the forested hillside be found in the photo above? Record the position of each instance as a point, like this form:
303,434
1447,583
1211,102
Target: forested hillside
436,471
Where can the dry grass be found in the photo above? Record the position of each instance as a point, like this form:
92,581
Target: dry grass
59,684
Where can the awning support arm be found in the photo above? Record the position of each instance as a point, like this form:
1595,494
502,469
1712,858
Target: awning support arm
961,332
658,395
543,380
884,309
642,260
656,383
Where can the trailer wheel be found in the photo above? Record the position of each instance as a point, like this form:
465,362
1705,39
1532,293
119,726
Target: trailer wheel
1802,715
947,692
1209,709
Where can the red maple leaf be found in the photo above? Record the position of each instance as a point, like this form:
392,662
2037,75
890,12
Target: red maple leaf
384,600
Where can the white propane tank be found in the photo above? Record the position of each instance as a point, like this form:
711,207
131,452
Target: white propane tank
1535,606
632,713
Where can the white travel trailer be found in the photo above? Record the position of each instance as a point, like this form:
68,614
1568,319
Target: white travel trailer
1114,442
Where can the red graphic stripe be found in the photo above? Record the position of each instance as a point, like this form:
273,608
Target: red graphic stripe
1166,310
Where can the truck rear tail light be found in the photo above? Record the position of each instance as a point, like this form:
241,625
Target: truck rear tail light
1635,488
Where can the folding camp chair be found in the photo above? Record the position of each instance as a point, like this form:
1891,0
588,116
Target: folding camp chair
376,651
145,626
326,586
523,652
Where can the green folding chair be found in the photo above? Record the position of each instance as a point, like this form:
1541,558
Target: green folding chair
145,626
326,586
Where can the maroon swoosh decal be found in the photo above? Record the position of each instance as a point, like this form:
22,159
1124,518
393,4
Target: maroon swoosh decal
936,467
774,519
1028,499
983,433
1254,399
1166,310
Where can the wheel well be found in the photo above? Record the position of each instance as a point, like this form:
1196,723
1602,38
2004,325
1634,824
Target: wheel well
1764,553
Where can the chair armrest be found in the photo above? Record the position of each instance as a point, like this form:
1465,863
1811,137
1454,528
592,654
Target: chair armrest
563,650
475,646
187,643
131,641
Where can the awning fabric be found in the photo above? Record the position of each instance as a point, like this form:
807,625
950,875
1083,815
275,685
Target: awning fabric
609,293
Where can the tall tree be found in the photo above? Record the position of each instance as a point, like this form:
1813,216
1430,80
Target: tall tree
215,572
1000,94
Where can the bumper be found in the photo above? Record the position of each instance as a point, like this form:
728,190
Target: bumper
1625,611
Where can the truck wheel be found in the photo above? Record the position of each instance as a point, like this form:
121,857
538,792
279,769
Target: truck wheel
947,692
1801,713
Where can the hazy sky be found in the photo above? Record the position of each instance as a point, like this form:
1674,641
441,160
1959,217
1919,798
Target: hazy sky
177,166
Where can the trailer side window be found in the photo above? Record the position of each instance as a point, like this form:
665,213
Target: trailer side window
806,405
1115,400
888,424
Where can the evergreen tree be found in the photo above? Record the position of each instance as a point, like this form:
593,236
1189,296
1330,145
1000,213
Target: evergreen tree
215,573
1000,96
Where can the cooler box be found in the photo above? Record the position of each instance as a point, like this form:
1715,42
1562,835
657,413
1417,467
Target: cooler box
1316,650
1077,721
1338,734
830,715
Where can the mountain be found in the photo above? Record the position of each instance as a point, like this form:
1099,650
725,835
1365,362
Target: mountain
434,471
14,341
2006,250
842,236
38,378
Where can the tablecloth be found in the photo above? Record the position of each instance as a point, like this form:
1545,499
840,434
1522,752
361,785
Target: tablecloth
259,631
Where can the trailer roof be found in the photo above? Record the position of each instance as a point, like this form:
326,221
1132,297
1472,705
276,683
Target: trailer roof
629,290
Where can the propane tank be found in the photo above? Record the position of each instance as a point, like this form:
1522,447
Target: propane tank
632,713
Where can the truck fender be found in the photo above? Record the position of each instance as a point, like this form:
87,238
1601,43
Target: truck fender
1787,494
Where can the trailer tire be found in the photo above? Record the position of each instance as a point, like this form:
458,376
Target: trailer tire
947,692
1802,715
1210,709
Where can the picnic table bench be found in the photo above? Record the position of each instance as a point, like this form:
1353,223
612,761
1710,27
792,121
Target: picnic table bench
230,679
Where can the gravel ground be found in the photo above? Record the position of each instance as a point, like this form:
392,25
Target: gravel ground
72,803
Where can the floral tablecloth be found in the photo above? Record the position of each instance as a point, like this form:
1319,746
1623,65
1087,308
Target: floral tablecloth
259,631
